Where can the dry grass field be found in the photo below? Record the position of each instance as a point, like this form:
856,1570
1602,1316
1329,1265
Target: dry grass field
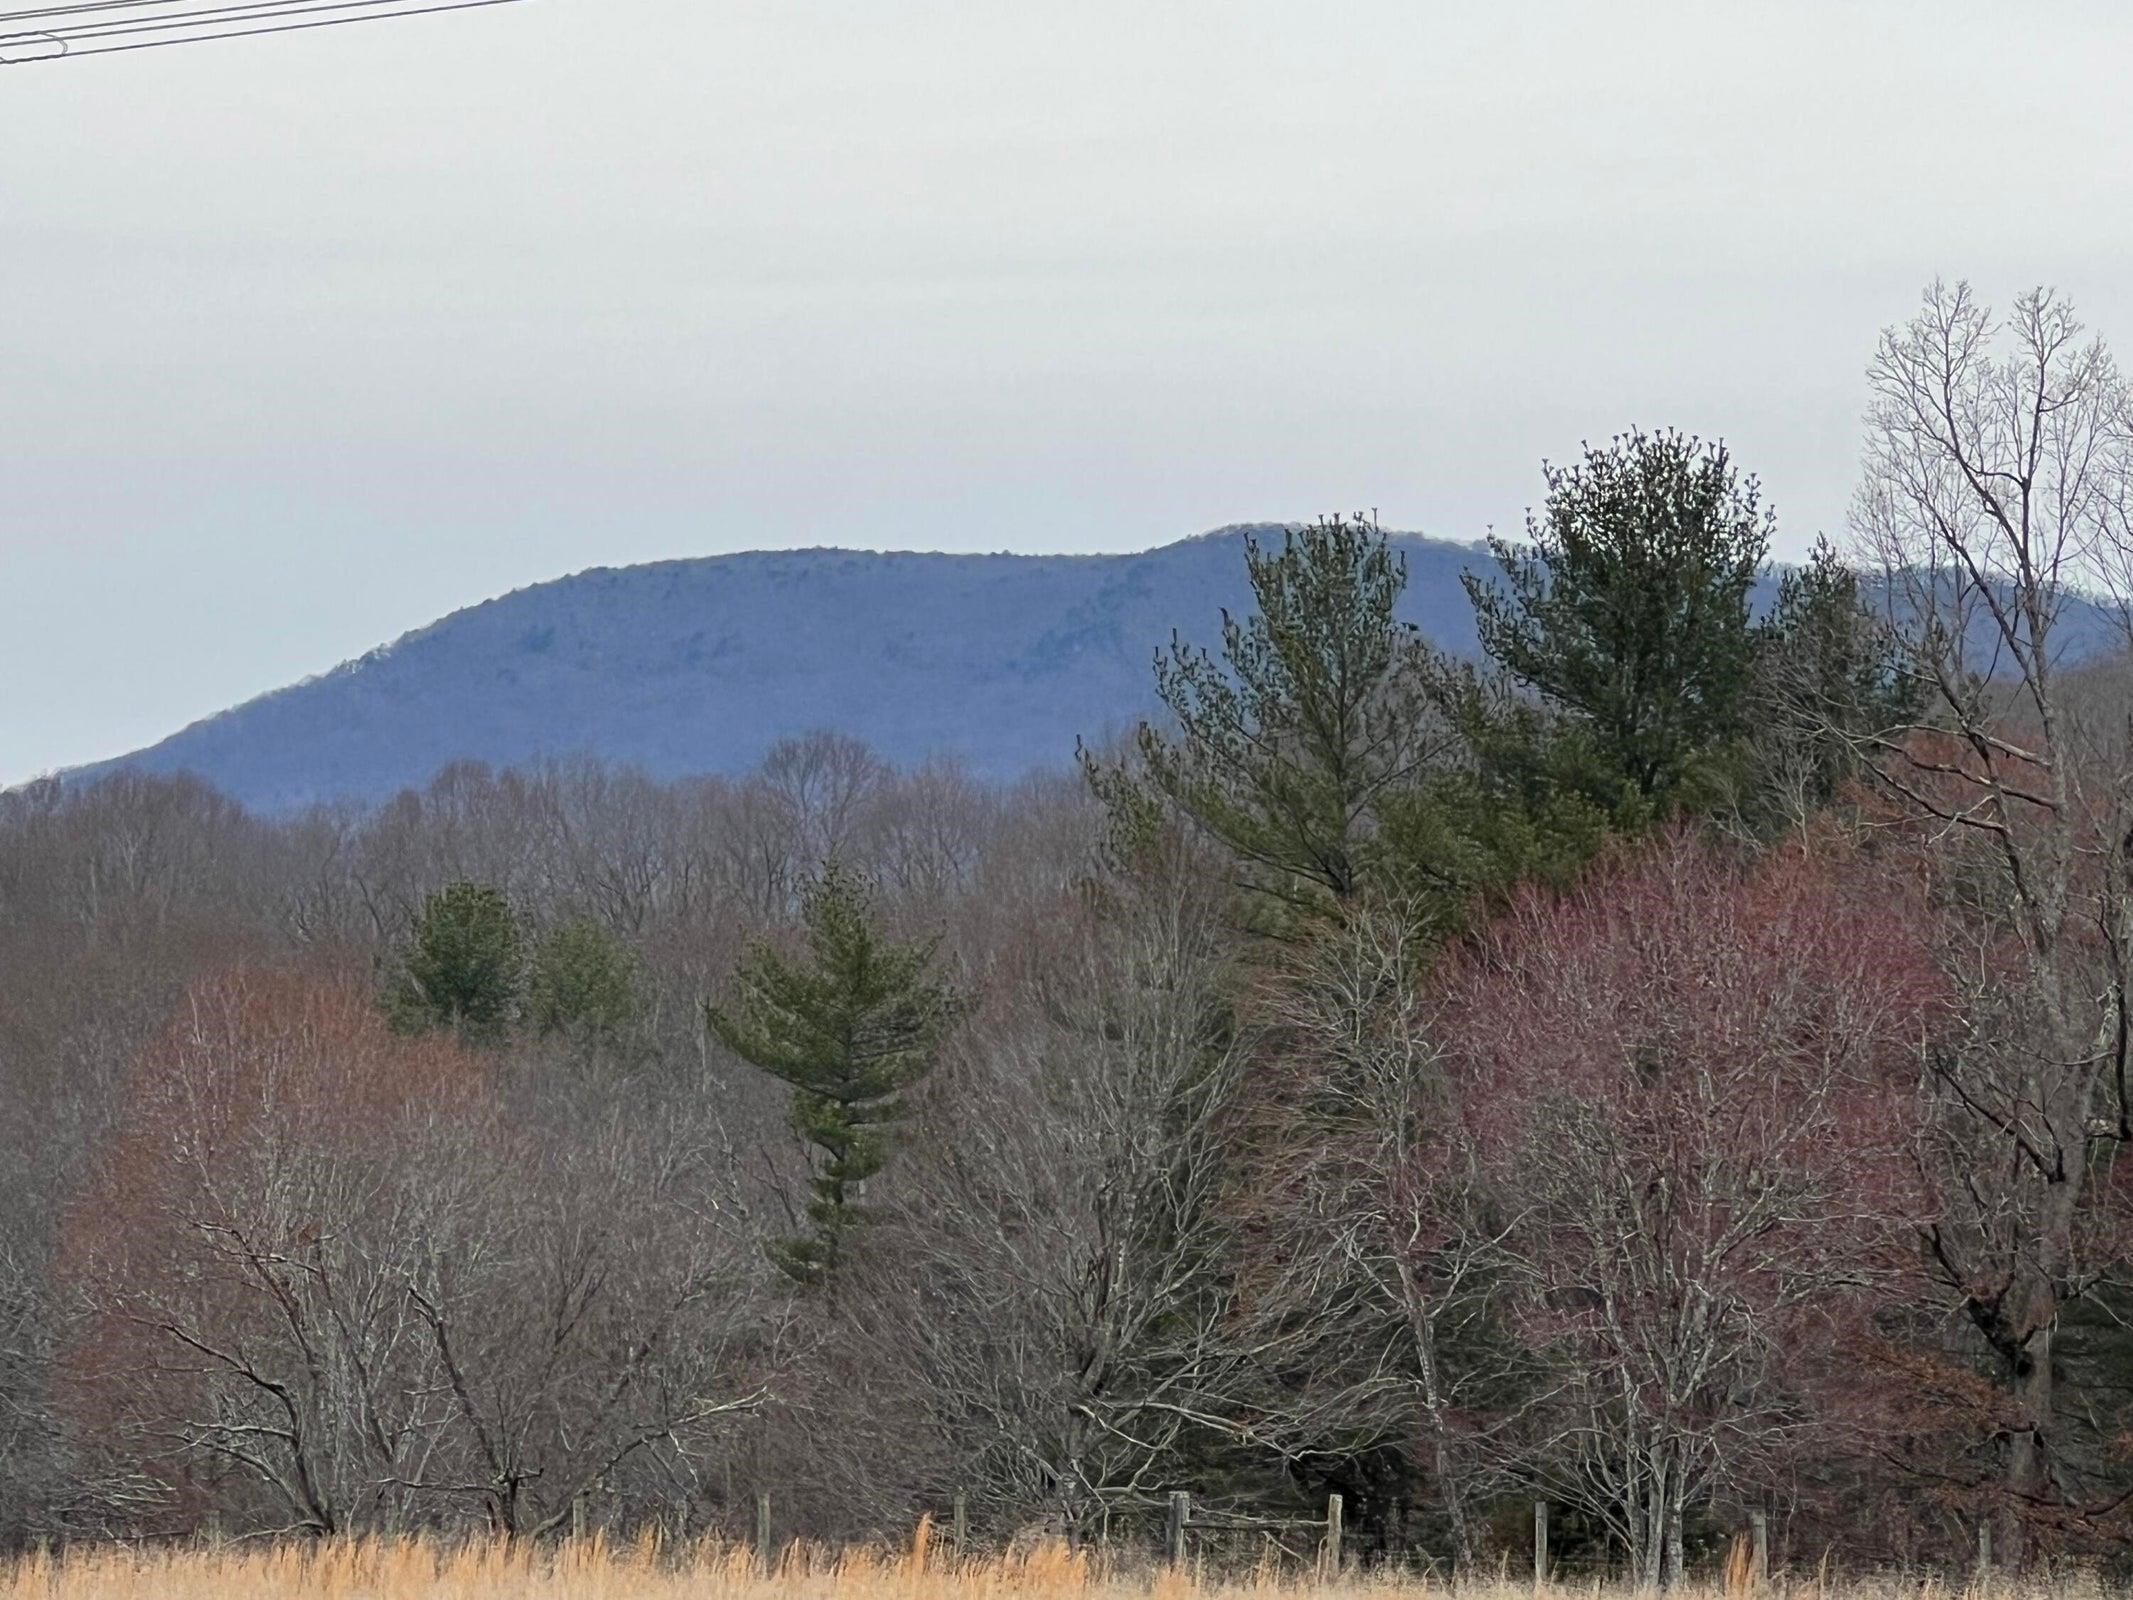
595,1570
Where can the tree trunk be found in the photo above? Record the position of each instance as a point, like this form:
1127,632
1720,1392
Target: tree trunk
1446,1470
2070,1103
1454,1505
1673,1536
1649,1560
2029,1479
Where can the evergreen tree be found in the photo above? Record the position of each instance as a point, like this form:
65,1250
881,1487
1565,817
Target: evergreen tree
1530,800
851,1029
1828,674
583,984
1629,604
463,968
1316,711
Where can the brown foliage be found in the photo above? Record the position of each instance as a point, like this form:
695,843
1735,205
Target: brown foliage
205,1193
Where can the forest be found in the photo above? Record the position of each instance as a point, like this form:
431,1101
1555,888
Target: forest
1672,1070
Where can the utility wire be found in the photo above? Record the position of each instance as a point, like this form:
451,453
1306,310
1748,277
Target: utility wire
82,10
90,29
211,16
86,15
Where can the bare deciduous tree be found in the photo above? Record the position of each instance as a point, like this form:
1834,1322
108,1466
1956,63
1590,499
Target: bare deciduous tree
1997,508
1363,1289
1052,1295
333,1283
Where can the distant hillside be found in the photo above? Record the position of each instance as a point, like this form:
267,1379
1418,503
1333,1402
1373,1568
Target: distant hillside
698,666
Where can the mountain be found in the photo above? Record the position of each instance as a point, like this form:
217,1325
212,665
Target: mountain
698,666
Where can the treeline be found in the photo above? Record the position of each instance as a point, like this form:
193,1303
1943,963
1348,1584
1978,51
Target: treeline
1673,1068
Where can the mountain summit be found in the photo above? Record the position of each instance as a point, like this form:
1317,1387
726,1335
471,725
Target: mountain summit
698,666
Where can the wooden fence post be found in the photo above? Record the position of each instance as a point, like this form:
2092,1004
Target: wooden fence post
962,1522
1984,1548
1759,1526
1540,1543
577,1517
1330,1552
1174,1530
762,1531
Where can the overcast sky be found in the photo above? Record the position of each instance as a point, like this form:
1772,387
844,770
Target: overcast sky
307,341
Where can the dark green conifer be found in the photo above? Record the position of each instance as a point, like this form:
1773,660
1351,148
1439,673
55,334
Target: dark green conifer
463,967
1317,709
851,1028
1628,603
583,985
1829,676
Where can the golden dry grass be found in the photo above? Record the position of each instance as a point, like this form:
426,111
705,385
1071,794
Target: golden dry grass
594,1569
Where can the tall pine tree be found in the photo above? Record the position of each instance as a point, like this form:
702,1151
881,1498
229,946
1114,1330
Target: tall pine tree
851,1029
1628,604
1317,710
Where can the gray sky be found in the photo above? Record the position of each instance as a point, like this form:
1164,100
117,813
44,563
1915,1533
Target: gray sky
309,340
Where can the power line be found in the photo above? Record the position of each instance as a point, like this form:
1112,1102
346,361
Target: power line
106,27
221,15
82,10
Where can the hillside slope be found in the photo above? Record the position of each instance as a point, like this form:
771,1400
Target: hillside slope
698,666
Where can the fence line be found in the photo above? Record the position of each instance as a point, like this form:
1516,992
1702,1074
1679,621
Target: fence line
1182,1518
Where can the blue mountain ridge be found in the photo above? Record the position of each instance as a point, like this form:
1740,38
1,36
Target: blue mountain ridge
698,666
690,667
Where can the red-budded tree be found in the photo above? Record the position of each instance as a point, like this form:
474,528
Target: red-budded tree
1687,1089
